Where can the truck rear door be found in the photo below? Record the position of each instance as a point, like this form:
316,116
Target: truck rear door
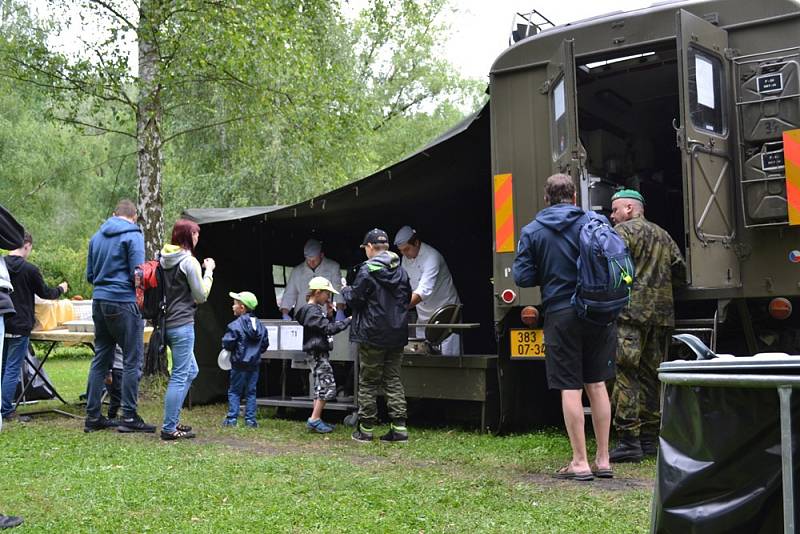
567,153
706,147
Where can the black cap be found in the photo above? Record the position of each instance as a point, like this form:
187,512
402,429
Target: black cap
376,236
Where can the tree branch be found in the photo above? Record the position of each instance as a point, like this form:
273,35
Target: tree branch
213,125
108,7
95,126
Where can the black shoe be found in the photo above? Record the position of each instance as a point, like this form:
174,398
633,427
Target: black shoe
13,416
396,434
362,435
134,424
628,449
101,423
649,444
9,521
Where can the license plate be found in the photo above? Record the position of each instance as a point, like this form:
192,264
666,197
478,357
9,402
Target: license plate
527,343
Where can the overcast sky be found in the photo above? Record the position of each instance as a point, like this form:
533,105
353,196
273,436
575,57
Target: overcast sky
479,28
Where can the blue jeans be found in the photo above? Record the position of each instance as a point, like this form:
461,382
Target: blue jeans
184,369
115,323
14,352
242,383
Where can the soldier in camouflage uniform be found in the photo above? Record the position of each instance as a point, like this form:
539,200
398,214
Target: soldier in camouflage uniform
643,327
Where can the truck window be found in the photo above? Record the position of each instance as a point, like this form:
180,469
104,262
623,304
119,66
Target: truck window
706,101
559,119
280,277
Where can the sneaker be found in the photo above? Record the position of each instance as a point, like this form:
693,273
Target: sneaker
134,424
13,416
93,425
362,435
628,449
396,434
9,521
251,424
320,426
177,434
229,422
183,428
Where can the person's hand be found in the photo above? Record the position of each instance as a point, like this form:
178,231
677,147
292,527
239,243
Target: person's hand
209,264
286,317
344,282
64,286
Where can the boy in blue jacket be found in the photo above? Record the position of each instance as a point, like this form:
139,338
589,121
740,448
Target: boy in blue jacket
245,338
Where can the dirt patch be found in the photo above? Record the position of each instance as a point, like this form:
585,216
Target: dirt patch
598,484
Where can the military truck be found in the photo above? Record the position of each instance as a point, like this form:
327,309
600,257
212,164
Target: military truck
687,102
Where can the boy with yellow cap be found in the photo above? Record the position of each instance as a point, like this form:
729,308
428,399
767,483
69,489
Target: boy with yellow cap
315,316
245,338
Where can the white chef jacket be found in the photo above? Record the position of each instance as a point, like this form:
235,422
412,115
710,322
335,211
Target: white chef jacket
297,286
430,279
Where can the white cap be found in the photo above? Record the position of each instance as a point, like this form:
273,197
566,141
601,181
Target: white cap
224,360
403,235
312,248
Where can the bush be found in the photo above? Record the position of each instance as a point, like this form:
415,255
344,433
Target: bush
61,263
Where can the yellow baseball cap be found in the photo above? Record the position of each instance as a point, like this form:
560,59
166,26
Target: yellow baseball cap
320,282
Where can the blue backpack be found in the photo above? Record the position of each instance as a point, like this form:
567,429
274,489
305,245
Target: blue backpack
605,272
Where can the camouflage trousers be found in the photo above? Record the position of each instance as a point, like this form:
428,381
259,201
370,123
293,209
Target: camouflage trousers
637,394
324,381
379,368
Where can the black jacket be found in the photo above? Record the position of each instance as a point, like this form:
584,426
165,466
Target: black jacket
27,282
11,236
379,298
317,328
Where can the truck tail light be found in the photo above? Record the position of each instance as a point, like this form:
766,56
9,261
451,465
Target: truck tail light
508,296
529,316
780,308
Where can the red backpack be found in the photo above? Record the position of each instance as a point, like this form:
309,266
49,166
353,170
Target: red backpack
148,280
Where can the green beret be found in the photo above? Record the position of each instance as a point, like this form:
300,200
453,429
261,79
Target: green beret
628,193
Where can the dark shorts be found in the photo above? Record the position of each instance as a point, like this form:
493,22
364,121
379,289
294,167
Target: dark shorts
577,352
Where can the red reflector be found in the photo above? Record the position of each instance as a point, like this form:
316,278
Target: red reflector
508,296
780,308
529,316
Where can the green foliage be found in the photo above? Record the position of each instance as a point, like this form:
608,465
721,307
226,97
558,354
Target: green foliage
59,263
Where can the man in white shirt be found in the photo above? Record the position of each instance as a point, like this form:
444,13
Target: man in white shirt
316,264
431,282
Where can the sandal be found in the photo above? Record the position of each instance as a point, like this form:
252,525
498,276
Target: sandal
602,473
177,434
183,428
566,474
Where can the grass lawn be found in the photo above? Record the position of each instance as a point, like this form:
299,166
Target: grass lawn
279,478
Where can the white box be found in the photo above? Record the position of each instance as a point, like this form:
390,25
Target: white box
291,337
272,334
82,310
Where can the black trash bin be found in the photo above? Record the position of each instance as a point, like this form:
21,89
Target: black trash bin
728,457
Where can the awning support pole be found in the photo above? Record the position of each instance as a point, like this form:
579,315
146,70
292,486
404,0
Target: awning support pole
785,394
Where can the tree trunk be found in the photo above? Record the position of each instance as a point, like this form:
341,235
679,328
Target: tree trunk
148,139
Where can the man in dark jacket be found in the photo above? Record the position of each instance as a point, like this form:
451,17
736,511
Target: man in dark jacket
27,282
579,355
379,300
11,237
114,252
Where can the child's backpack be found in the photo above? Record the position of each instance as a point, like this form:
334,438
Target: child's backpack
150,295
605,272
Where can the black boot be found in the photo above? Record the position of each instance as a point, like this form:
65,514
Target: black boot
628,449
649,444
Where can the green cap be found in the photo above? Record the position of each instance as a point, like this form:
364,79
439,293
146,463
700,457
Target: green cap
246,298
628,193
